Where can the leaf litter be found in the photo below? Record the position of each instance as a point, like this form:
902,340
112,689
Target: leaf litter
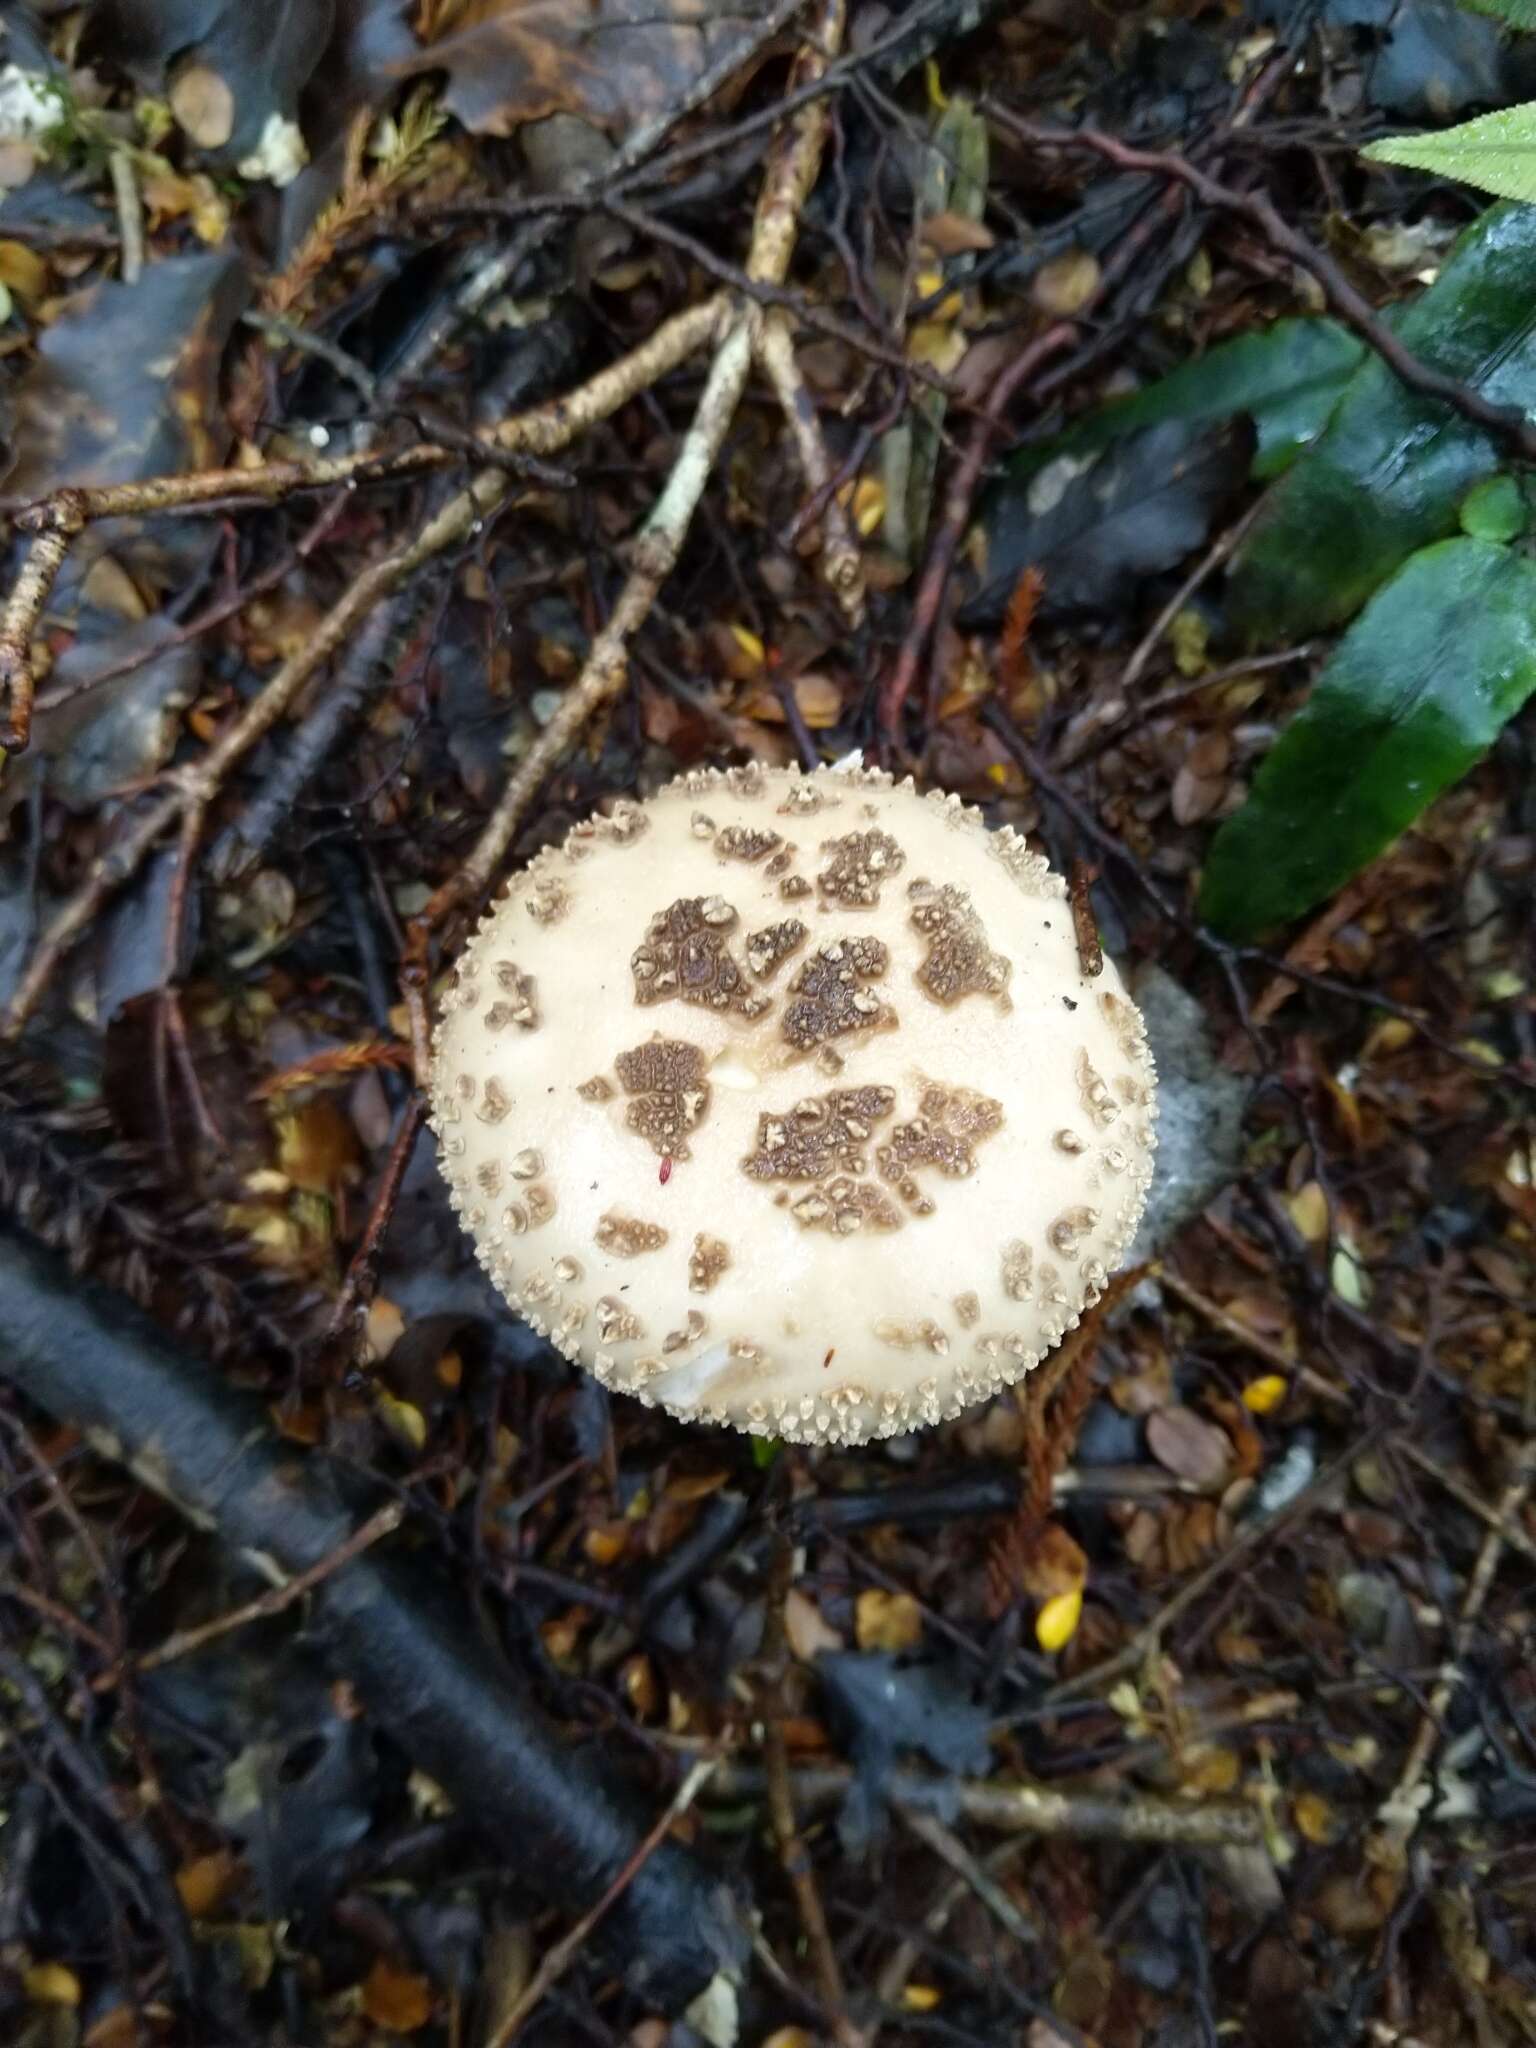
1191,1763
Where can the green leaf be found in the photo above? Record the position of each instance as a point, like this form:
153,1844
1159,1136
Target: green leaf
1391,469
1494,510
1518,13
1496,152
1415,693
1289,376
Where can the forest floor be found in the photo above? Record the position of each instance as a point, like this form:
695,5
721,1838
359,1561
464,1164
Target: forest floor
329,615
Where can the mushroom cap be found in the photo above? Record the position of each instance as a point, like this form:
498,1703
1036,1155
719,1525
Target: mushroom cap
782,1100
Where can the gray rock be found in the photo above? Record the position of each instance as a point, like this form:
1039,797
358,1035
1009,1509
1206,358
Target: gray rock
1200,1112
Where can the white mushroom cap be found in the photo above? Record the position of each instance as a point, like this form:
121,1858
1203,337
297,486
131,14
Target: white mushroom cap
782,1100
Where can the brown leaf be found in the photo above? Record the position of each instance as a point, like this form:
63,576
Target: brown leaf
956,234
206,1882
1051,1562
1191,1448
398,1999
614,62
1195,796
316,1146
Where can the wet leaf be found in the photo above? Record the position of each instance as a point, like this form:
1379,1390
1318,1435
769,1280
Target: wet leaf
1415,693
617,62
1188,1446
887,1708
1496,152
1392,468
124,386
108,735
1095,522
1494,510
1287,377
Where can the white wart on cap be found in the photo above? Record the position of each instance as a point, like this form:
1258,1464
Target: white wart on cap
781,1100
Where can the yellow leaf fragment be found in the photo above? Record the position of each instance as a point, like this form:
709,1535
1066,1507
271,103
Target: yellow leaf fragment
1309,1212
51,1984
1264,1395
1056,1623
868,505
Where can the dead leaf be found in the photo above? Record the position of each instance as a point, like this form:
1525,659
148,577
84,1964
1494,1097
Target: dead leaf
806,1628
202,102
956,234
23,272
1191,1448
398,1999
615,62
1064,286
316,1145
125,385
1049,1563
231,70
1309,1212
887,1621
207,1881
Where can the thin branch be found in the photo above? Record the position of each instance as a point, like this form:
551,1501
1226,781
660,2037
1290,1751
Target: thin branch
1505,423
787,182
550,426
276,1600
1404,1807
559,1959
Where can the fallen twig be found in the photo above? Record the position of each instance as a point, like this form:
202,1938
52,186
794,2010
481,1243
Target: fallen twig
1404,1807
787,181
560,1957
1019,1808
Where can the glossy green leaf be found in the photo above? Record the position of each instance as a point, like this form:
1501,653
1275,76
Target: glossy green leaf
1496,152
1391,469
1494,509
1415,693
1289,376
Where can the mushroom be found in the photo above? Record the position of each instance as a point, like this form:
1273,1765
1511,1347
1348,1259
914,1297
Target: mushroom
783,1100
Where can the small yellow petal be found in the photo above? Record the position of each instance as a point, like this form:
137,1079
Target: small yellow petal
919,1997
749,643
1263,1396
51,1984
1056,1623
